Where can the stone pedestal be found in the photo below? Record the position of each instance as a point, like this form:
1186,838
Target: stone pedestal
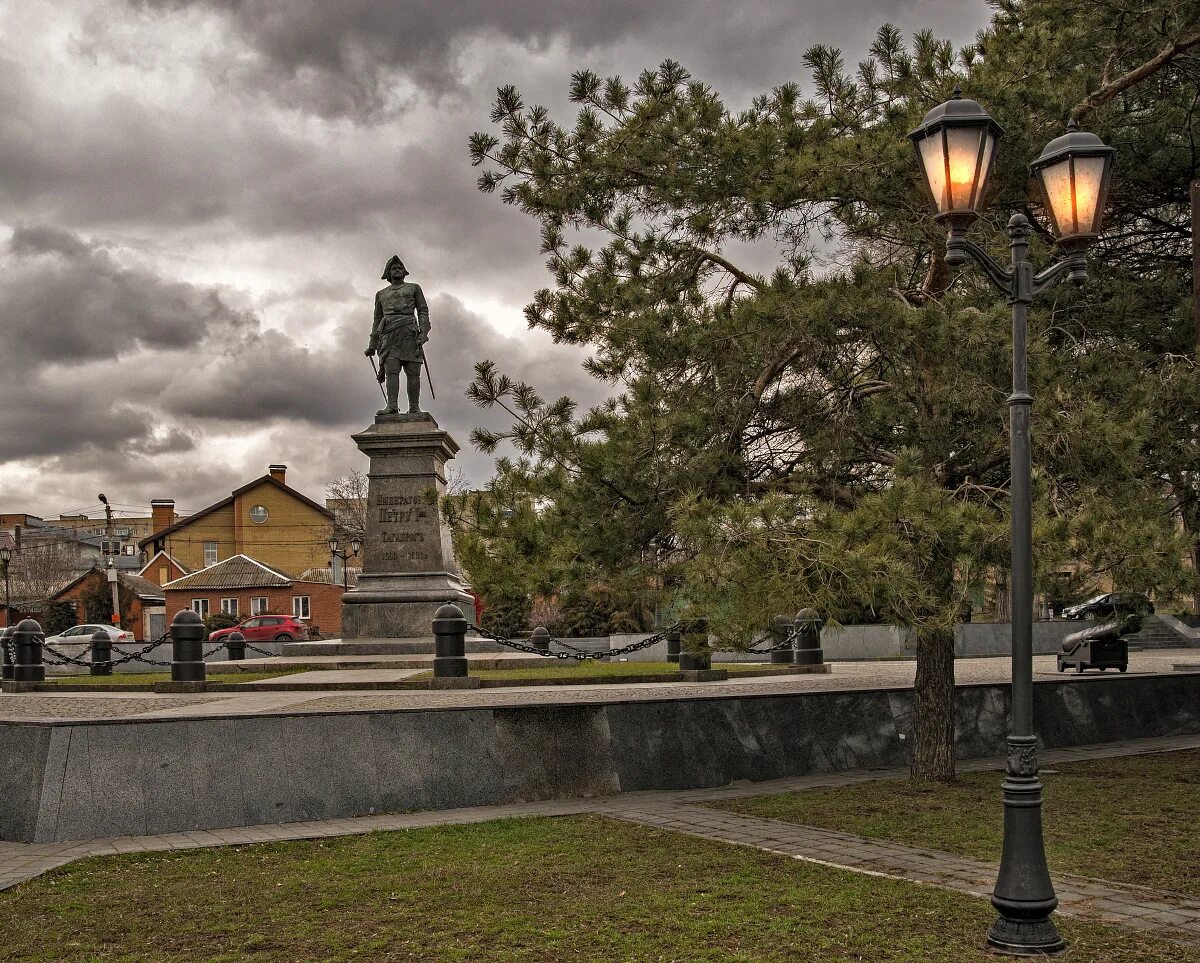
409,570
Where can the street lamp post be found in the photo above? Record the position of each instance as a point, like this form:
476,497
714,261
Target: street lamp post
5,558
955,146
355,547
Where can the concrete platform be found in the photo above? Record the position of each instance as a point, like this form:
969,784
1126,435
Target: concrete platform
418,646
506,659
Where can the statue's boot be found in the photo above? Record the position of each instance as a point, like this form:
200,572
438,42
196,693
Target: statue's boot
414,390
393,394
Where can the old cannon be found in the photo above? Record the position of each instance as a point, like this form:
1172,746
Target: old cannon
1100,646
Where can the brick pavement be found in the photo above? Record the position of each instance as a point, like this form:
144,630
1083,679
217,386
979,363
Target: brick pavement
1173,915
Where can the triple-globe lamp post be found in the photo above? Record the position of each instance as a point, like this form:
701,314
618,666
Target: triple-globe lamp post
956,147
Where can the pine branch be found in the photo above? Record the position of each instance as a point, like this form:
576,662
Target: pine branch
1110,90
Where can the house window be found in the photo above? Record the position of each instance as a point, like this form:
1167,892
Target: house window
229,607
210,554
258,605
300,607
258,514
164,575
200,607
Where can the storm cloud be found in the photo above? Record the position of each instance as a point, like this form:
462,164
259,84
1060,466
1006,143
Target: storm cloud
197,198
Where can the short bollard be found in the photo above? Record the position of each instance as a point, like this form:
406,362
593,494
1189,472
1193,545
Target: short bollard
700,657
807,650
187,647
5,660
101,653
781,628
235,642
449,643
27,644
673,645
540,639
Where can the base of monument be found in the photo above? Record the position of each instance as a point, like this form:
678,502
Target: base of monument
400,606
393,647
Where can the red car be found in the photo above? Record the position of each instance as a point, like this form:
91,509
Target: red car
266,628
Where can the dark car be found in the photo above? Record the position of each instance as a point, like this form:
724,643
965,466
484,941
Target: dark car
266,628
1109,604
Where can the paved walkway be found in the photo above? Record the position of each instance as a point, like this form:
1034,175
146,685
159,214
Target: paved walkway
43,706
1172,915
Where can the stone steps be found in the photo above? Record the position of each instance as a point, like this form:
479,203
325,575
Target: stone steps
1156,634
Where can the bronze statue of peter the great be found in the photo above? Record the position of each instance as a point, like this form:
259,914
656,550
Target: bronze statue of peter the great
398,335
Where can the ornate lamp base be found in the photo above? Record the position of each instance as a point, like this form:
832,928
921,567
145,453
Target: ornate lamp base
1024,896
1037,937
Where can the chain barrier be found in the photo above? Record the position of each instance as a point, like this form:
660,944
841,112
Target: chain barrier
579,655
63,658
568,646
139,656
787,643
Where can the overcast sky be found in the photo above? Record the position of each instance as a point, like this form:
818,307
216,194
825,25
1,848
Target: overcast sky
197,198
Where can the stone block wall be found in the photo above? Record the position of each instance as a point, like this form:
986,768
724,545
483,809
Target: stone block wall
72,780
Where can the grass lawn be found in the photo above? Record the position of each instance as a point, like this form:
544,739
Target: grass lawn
149,678
1130,820
583,889
595,669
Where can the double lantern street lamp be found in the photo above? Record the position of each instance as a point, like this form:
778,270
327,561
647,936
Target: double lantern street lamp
956,147
355,548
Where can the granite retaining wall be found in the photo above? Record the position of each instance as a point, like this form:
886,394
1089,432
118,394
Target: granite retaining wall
73,780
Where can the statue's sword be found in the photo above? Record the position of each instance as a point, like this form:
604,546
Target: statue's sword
378,380
428,376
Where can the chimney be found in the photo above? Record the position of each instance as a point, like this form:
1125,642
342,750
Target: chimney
162,513
279,473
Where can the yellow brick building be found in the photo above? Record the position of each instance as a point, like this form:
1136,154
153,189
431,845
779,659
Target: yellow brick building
265,519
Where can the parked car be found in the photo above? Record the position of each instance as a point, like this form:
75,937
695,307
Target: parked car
82,634
1110,603
266,628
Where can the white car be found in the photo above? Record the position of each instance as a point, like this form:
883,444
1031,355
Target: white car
82,635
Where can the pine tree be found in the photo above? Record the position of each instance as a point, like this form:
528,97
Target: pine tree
832,433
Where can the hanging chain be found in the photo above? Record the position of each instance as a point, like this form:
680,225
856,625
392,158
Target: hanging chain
787,643
579,655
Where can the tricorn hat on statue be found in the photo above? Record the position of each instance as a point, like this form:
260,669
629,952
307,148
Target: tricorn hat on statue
387,268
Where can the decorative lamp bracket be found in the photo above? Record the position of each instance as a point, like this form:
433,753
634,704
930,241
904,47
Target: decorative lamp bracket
959,250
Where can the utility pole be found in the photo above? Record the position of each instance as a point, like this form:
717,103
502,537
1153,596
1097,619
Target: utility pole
111,570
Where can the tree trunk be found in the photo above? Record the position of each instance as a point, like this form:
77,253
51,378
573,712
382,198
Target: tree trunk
1195,576
933,704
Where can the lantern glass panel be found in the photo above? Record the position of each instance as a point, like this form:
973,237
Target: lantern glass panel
1089,178
1056,185
963,166
933,160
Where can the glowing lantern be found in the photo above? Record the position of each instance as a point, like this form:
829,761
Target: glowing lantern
955,146
1073,172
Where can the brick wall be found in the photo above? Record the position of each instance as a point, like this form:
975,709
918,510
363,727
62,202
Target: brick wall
325,602
133,618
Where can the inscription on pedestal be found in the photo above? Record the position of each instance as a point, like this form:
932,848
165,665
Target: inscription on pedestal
401,524
404,532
